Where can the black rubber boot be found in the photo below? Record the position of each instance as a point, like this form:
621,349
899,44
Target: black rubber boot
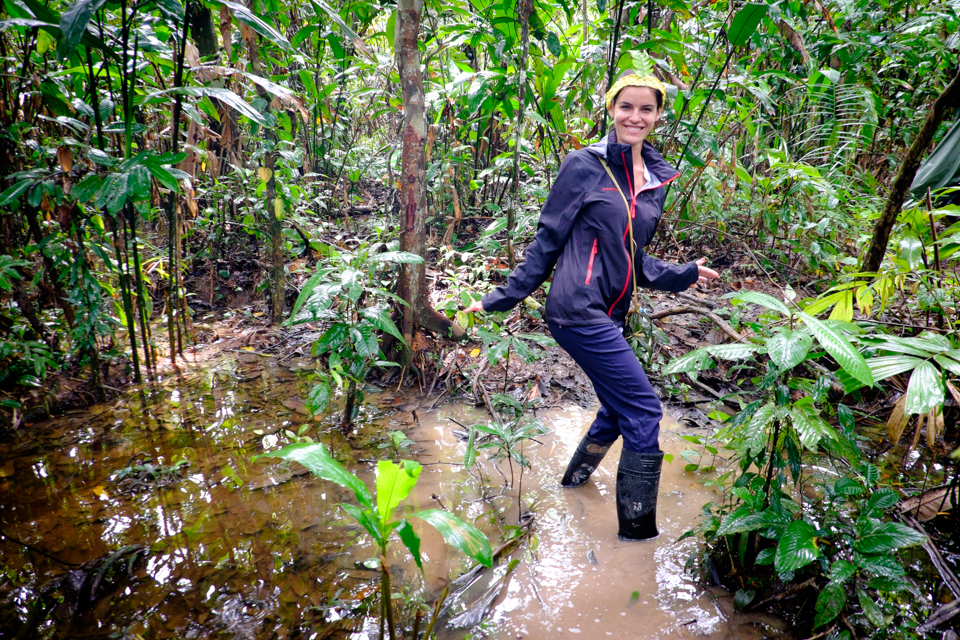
638,481
585,460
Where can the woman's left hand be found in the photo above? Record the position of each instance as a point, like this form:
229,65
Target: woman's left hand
706,273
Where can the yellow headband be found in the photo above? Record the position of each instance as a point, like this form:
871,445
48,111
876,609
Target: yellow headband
634,80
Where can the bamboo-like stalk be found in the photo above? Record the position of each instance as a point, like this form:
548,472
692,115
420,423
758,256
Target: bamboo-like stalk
385,591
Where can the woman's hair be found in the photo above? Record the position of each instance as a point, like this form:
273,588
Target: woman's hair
626,74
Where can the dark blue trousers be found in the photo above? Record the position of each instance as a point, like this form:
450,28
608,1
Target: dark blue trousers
628,405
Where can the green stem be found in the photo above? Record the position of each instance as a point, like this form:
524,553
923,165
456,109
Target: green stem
385,595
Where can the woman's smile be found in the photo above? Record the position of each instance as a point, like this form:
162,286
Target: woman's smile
634,114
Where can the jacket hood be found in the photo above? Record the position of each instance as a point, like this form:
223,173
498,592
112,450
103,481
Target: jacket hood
614,152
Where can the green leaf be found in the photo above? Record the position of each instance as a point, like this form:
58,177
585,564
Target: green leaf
761,299
411,541
732,351
226,96
788,348
316,458
883,537
73,25
245,15
871,610
947,363
743,597
13,193
696,360
925,390
883,367
743,523
745,23
810,426
397,257
394,483
830,604
553,44
848,487
114,192
319,396
841,571
367,519
379,317
911,250
883,566
333,339
840,348
881,499
462,536
138,183
765,557
797,547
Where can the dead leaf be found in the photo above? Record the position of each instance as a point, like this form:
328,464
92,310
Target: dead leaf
928,504
898,420
65,158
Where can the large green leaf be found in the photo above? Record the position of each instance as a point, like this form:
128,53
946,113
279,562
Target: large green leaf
367,519
394,483
797,547
396,257
732,351
880,500
761,299
696,360
871,610
462,536
948,363
810,426
745,23
925,390
840,348
830,604
379,317
883,566
73,24
788,348
883,537
742,523
138,184
411,541
316,458
883,367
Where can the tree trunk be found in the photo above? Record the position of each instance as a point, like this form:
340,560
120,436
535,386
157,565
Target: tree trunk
950,97
524,9
412,283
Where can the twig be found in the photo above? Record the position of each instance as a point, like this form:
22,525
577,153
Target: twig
36,550
787,592
720,322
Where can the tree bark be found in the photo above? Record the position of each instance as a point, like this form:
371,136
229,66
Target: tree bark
950,97
412,283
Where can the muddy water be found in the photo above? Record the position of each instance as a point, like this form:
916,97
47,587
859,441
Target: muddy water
146,518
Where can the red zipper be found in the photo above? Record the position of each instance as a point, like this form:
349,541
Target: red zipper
593,254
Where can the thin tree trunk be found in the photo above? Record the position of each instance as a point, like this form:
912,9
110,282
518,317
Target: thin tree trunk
412,282
950,97
524,9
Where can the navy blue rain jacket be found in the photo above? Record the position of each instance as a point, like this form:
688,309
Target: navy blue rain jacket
583,233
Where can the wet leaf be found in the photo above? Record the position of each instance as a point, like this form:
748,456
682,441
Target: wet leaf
751,522
316,458
462,536
882,566
411,541
840,348
788,348
394,483
743,597
925,390
881,499
883,537
871,610
797,547
848,487
367,519
695,361
634,597
830,603
841,571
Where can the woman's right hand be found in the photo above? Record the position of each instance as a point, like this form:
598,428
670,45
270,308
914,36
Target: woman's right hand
475,307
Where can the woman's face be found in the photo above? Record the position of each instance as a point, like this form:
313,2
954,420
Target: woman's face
634,113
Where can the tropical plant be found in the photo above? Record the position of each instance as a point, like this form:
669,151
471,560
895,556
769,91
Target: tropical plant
376,514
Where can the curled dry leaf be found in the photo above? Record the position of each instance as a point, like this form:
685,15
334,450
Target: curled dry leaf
65,158
928,504
898,420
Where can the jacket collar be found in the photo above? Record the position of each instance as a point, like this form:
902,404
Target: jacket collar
614,152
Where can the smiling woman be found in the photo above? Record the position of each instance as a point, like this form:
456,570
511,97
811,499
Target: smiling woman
603,209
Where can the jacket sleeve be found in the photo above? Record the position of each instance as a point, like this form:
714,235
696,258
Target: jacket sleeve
556,222
657,274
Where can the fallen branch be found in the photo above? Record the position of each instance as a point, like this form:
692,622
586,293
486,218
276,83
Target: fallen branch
786,592
720,322
948,576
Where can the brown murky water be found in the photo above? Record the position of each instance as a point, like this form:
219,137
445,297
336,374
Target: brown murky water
115,540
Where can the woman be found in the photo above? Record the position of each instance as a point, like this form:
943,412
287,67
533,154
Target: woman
599,260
